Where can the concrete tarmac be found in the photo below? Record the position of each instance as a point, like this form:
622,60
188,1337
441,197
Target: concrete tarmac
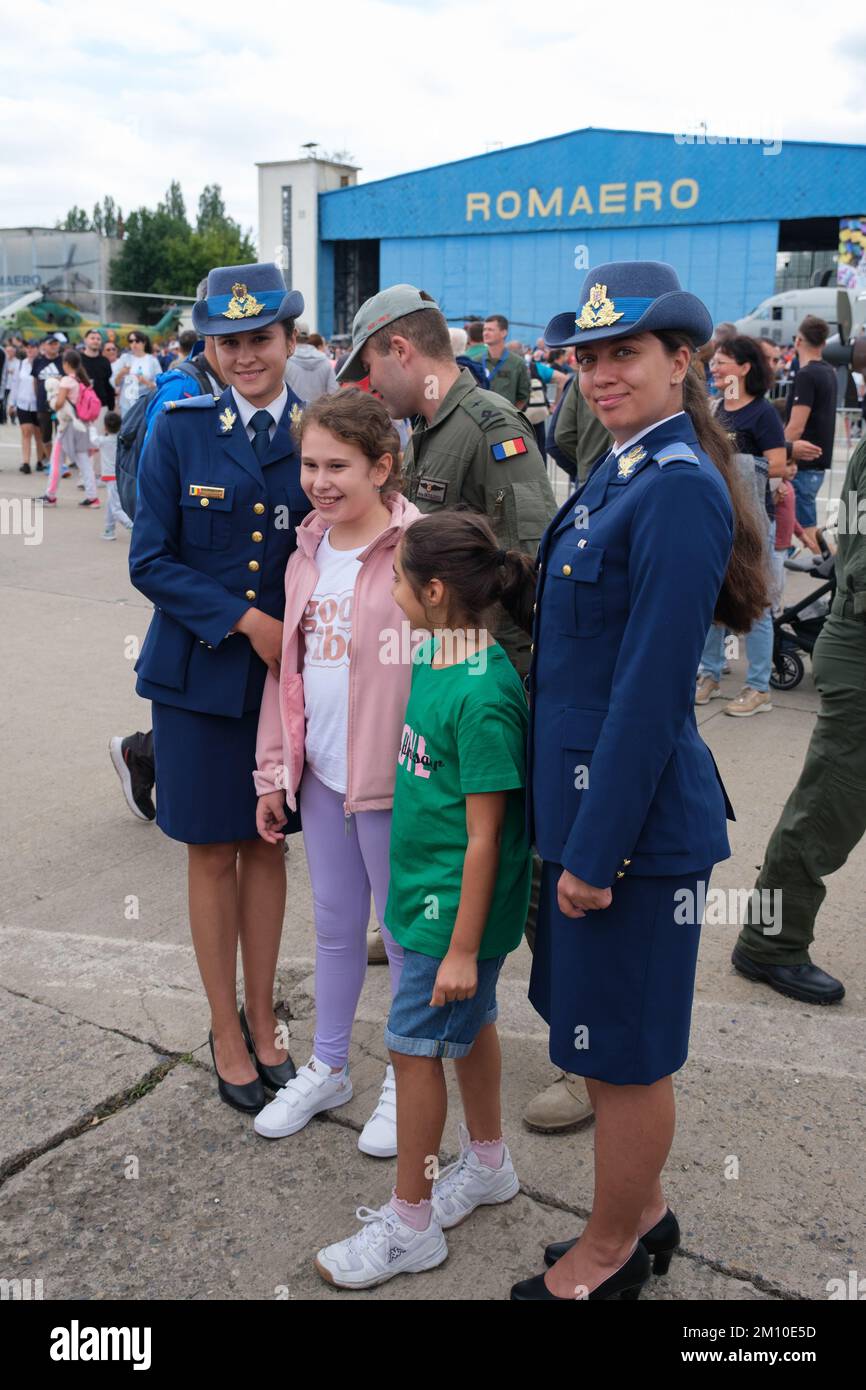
121,1174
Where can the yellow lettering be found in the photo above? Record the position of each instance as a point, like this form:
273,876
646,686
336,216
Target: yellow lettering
553,204
580,202
691,196
478,202
648,191
611,197
515,204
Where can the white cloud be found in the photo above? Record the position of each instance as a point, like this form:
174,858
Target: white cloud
121,98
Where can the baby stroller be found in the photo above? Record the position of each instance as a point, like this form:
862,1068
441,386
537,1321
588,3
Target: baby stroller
797,627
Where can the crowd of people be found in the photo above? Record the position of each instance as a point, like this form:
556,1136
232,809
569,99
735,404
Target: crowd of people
357,582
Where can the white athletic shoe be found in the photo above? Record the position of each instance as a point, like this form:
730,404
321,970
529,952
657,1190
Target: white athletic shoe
313,1089
379,1135
469,1183
382,1248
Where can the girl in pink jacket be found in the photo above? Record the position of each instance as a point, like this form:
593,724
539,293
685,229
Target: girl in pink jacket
329,731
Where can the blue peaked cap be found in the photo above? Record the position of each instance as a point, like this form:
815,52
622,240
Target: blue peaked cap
242,297
625,297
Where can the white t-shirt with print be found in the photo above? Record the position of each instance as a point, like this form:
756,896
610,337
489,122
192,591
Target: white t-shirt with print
145,368
327,629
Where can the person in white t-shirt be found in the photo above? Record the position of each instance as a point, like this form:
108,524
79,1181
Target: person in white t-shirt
136,371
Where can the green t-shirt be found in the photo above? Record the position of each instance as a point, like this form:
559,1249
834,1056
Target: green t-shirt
465,731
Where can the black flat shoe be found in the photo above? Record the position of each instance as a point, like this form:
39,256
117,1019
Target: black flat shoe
274,1077
250,1098
626,1283
808,983
660,1242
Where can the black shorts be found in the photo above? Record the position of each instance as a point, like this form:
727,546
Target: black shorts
27,417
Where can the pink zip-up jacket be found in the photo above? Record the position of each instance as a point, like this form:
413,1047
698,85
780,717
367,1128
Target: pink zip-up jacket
378,689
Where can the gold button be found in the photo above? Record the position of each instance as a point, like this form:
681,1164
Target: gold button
259,508
205,501
251,593
257,536
566,569
620,873
253,565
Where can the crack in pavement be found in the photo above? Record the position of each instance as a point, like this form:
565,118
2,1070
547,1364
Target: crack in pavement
121,1100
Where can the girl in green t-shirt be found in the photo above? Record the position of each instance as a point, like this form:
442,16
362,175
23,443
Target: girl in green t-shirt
459,891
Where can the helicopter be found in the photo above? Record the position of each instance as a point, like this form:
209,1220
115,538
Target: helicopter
35,314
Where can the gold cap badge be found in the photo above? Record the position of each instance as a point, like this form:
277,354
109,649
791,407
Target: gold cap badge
242,304
598,311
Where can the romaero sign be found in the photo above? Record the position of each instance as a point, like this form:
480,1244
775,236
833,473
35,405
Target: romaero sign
582,200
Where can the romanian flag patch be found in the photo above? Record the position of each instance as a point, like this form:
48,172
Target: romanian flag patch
508,448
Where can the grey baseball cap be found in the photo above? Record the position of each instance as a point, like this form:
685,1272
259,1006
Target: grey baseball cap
383,308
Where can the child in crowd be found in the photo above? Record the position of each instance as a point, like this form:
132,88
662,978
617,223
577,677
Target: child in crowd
460,878
106,448
73,443
330,726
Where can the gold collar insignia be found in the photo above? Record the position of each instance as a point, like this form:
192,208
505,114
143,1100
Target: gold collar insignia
598,311
227,419
628,461
295,414
242,304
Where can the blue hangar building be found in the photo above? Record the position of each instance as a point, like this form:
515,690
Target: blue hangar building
513,231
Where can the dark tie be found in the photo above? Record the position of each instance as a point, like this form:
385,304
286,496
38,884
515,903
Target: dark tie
260,423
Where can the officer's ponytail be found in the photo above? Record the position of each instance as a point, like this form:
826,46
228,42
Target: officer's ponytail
743,597
459,548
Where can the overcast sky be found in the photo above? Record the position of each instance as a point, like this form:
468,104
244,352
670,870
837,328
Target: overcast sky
121,97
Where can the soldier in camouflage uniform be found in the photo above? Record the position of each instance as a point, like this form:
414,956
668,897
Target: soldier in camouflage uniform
825,815
469,446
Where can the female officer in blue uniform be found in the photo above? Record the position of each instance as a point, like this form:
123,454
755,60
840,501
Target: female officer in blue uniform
626,807
219,498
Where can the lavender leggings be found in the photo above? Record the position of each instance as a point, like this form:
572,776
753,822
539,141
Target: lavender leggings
346,858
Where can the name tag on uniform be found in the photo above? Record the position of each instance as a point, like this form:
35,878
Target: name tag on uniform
200,490
432,489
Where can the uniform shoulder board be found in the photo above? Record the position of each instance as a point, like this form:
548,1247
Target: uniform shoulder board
192,403
676,453
486,416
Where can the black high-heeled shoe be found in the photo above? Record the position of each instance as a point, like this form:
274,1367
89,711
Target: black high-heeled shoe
274,1077
660,1242
250,1098
626,1282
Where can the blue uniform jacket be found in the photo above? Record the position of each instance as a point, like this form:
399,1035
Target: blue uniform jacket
213,534
619,780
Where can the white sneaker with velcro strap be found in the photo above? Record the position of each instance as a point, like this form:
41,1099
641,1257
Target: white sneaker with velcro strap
314,1089
379,1135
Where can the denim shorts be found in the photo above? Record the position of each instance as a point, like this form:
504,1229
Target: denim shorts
807,484
449,1030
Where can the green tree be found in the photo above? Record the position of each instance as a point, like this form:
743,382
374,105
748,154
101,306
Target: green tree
76,220
162,254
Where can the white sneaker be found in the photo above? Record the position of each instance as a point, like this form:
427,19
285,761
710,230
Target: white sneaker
314,1089
379,1135
382,1248
469,1183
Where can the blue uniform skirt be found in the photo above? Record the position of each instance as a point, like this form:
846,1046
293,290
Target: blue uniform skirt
204,776
616,986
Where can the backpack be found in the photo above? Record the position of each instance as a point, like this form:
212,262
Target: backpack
130,440
89,404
